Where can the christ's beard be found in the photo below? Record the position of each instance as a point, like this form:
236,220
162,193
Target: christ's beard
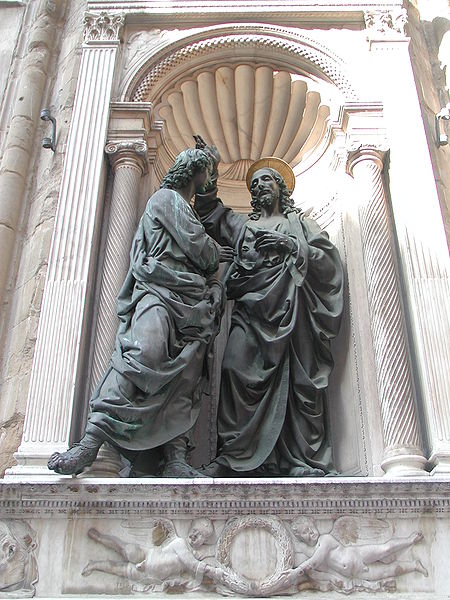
265,201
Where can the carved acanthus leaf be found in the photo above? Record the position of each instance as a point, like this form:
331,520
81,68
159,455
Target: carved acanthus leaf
386,22
102,26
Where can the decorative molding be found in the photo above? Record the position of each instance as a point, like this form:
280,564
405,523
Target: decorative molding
222,499
103,26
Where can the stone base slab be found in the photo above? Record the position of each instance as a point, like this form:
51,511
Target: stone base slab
314,538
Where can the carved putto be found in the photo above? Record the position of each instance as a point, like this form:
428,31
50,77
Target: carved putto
18,566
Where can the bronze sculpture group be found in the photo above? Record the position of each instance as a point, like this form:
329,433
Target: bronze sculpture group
285,278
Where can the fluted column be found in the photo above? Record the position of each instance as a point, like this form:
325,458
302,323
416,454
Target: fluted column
402,444
59,348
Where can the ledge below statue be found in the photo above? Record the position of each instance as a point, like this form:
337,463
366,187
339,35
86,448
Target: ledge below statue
241,538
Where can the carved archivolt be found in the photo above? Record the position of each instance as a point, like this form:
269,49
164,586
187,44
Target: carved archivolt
269,44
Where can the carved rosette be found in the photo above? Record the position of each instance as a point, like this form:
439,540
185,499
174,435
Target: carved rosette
102,27
403,454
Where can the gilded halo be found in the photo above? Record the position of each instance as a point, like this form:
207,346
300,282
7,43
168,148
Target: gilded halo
276,164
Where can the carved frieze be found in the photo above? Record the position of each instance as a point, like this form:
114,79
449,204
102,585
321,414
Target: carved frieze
258,555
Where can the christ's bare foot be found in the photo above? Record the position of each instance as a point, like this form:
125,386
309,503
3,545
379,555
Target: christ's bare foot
179,468
73,461
306,472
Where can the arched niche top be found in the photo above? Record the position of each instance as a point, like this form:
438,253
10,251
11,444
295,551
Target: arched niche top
273,46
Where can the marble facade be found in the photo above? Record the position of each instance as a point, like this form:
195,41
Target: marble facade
335,90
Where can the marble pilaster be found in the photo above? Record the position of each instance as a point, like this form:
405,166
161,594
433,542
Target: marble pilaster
65,305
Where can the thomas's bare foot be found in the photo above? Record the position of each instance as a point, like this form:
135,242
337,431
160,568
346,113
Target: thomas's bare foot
73,461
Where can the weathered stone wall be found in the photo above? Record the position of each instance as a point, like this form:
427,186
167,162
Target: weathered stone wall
12,20
22,301
427,29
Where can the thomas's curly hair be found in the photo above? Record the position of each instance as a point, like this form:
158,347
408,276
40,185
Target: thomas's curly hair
186,165
285,200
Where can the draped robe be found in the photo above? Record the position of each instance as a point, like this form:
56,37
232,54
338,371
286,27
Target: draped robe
287,307
151,391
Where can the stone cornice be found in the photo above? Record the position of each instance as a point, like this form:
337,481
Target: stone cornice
285,497
305,13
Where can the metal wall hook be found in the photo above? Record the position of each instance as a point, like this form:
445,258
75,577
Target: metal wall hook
442,115
49,142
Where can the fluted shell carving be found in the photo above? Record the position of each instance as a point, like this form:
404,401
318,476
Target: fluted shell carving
247,112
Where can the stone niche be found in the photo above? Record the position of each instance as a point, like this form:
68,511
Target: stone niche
252,88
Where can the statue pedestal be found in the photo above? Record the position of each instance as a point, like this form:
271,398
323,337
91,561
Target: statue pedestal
245,538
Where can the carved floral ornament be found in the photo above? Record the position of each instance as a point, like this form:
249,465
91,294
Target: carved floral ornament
258,555
385,23
102,27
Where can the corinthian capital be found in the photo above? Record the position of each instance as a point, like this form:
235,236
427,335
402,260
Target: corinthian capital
102,26
384,23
